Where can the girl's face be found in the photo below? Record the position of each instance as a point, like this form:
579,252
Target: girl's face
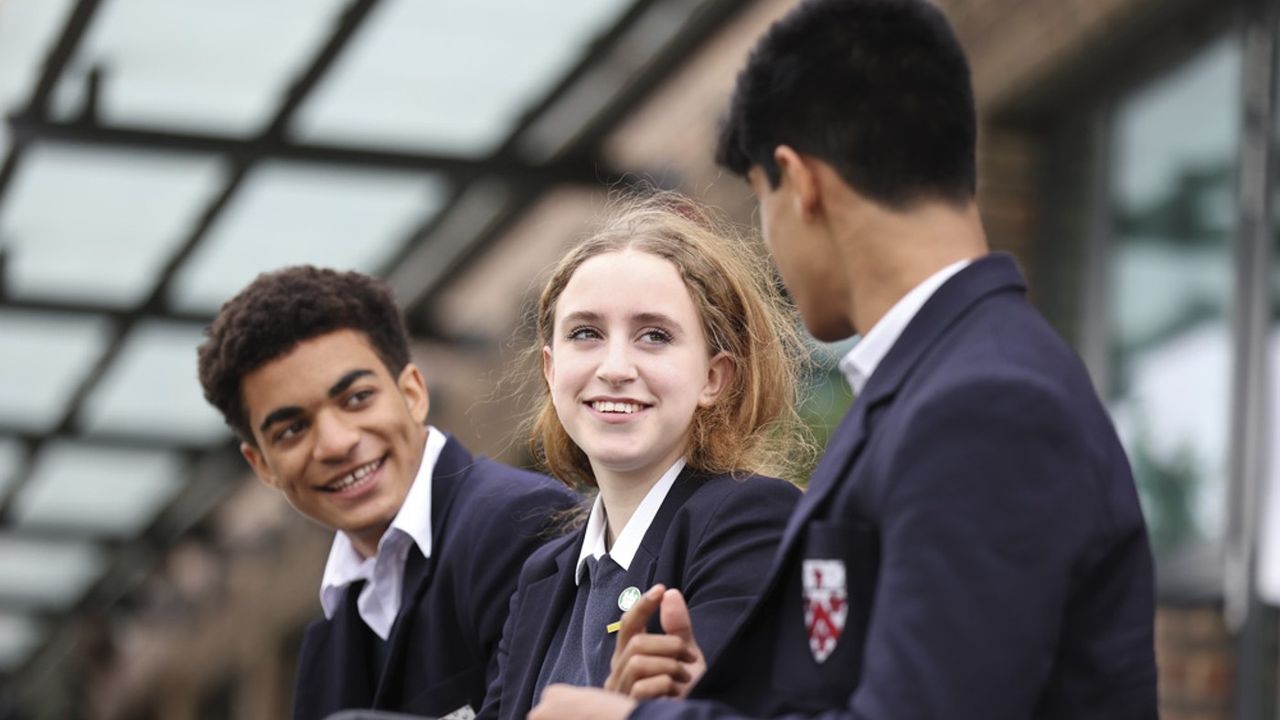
629,364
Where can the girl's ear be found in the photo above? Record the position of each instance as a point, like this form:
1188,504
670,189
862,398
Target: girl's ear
720,374
548,368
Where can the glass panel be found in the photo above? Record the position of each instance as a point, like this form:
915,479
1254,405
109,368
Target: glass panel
53,574
151,388
289,214
73,212
28,29
450,77
211,66
1173,208
19,635
45,358
106,491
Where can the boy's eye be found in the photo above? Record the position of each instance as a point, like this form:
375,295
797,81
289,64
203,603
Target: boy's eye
583,333
358,398
292,430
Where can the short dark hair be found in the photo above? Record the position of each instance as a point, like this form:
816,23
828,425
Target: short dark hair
878,89
280,309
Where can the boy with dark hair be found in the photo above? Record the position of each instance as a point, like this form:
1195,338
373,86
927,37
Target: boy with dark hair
971,544
311,369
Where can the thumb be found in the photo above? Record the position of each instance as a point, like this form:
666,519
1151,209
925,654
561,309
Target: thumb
674,616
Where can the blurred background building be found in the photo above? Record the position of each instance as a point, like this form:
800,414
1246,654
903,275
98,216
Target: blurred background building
157,154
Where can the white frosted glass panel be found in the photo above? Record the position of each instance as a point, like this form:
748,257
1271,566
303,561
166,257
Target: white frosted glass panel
19,635
53,574
450,77
43,358
288,214
99,225
211,66
107,491
28,29
152,388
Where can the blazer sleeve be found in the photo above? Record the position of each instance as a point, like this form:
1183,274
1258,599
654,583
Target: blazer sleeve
985,504
731,555
498,665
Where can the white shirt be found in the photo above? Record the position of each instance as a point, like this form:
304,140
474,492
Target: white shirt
624,548
379,600
863,359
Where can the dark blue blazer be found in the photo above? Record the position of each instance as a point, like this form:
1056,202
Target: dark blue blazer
997,566
713,539
486,518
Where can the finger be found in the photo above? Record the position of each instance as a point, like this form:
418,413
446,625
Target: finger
643,667
654,687
677,623
632,624
634,620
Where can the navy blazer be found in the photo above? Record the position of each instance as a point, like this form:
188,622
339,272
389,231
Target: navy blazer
486,518
712,538
996,564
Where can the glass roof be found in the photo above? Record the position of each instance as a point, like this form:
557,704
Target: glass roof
126,221
151,389
74,212
286,214
45,358
210,66
50,574
98,490
450,77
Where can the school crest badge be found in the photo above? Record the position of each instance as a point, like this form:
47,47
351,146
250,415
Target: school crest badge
826,605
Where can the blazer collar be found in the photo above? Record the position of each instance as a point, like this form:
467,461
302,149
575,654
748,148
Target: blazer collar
993,273
451,471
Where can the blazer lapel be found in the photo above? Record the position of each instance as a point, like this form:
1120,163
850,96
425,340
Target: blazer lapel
542,603
449,473
994,273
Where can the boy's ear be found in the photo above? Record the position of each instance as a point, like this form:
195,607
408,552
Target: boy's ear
258,462
799,179
414,389
719,376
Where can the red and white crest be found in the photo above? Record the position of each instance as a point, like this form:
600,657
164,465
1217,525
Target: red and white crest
826,605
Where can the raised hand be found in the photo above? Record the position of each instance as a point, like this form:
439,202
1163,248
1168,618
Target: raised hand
645,665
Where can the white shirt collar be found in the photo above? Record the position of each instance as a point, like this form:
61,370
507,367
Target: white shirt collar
865,356
628,542
379,600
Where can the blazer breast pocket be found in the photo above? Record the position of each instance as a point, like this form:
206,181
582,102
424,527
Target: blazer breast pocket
826,611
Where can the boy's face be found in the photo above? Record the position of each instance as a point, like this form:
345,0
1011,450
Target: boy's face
804,256
339,436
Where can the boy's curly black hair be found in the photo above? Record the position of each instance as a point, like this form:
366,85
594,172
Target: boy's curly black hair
280,309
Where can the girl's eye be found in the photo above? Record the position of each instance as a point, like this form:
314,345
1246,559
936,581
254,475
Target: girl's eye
656,335
583,333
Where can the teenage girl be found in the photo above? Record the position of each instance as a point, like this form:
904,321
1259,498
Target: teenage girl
670,364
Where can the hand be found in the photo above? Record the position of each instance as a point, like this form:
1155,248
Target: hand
566,702
647,666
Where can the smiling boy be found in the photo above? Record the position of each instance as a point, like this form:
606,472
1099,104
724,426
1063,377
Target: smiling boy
311,369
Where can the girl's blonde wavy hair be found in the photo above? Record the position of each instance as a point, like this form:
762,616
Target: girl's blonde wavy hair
754,425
